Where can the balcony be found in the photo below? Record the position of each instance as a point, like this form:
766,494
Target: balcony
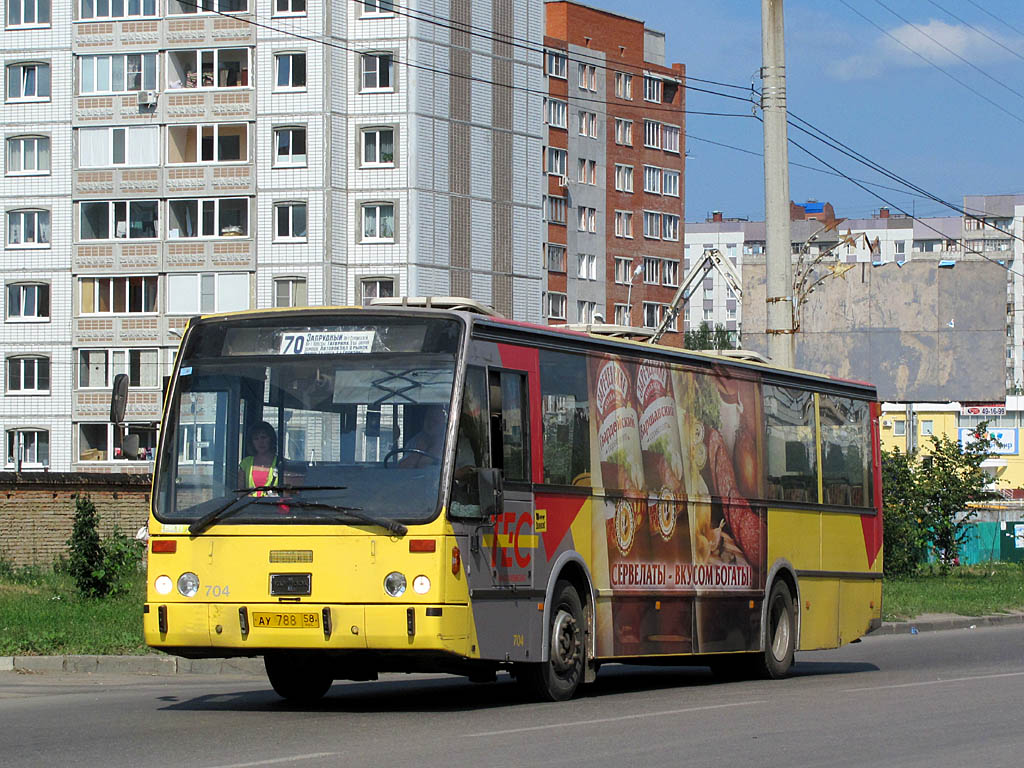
160,34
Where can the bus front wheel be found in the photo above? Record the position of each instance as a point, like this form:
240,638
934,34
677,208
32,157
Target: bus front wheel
558,678
298,679
780,634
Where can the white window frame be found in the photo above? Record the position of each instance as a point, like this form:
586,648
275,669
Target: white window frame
26,8
587,219
294,297
586,266
40,299
586,123
206,8
378,283
585,311
27,463
16,146
621,314
652,179
200,129
652,314
19,365
20,69
114,284
215,55
652,225
40,218
669,227
557,64
111,449
291,158
112,220
379,206
212,205
118,360
556,161
670,273
376,9
623,178
899,427
131,135
652,134
586,75
623,132
624,85
670,138
555,257
211,291
556,305
152,11
365,70
286,8
623,270
290,57
292,207
364,136
652,270
91,67
624,224
670,182
556,113
653,89
556,209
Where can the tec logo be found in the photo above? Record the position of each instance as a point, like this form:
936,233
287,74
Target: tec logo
512,540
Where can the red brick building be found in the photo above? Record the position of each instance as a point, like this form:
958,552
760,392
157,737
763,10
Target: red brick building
614,160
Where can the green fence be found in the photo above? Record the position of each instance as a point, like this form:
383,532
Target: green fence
994,541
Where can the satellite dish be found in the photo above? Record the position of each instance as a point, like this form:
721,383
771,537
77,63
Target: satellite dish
119,398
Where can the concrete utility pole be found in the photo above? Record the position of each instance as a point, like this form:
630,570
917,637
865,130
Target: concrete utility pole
778,258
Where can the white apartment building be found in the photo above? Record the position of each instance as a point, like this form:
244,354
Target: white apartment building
165,158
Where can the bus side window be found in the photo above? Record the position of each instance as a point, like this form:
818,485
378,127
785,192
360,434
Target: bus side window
471,445
509,425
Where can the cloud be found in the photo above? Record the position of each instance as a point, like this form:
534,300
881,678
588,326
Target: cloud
937,41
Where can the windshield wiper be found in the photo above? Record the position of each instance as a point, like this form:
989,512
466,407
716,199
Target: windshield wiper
236,503
354,513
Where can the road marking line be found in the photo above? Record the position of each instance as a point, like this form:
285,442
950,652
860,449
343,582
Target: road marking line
598,721
935,682
279,760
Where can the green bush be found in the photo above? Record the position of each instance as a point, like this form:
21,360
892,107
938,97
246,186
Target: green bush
99,568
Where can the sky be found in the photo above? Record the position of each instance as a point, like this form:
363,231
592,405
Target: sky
856,70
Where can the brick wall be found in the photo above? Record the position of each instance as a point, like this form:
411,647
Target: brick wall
37,510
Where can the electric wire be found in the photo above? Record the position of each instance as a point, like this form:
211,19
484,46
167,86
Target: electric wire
981,32
1002,21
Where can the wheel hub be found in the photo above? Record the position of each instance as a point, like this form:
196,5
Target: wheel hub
565,646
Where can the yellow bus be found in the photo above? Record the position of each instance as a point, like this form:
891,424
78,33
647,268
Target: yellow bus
350,491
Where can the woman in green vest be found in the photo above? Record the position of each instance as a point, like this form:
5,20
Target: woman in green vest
259,467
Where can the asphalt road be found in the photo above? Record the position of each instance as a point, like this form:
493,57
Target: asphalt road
936,699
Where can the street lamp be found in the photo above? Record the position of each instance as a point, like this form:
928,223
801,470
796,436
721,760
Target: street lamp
629,293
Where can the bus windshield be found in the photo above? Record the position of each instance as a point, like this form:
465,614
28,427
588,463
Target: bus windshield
277,420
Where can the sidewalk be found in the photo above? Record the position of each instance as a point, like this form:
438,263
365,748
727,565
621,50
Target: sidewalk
163,665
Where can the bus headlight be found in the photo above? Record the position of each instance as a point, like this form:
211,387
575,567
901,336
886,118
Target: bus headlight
163,585
421,585
188,584
394,584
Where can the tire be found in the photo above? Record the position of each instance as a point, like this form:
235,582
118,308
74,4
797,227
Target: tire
779,634
558,678
298,679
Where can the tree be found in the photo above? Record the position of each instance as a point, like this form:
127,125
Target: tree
905,539
703,337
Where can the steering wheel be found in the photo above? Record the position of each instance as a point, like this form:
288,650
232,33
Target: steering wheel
397,451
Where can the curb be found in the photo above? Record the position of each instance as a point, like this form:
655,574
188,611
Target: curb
152,665
936,623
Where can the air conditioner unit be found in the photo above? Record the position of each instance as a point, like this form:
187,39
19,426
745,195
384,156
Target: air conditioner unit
147,98
563,181
886,422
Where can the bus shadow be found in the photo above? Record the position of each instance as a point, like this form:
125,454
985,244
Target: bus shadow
456,694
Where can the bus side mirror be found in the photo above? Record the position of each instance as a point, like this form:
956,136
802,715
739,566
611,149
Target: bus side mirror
119,398
492,496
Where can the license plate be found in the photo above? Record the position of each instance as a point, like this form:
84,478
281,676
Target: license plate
286,620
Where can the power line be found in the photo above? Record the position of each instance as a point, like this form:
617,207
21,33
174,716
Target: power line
949,50
1004,22
981,32
931,63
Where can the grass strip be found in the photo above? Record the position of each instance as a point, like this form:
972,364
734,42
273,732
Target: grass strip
978,590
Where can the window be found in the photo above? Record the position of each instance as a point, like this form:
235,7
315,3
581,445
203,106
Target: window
623,270
587,76
652,179
670,183
652,225
210,217
178,7
213,143
652,270
623,178
792,462
587,123
623,132
290,221
845,451
669,226
624,85
133,219
290,292
208,68
28,448
378,222
289,147
670,138
622,314
557,64
28,155
28,13
670,272
556,306
901,247
556,161
587,219
556,113
585,311
899,427
556,257
624,224
555,209
927,427
587,171
652,314
107,147
191,294
28,82
28,228
378,7
28,301
98,367
118,295
118,9
565,418
652,89
378,72
652,134
379,146
376,288
119,73
97,442
289,7
28,375
586,266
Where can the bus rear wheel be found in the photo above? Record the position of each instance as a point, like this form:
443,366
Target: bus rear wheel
780,634
297,678
558,678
